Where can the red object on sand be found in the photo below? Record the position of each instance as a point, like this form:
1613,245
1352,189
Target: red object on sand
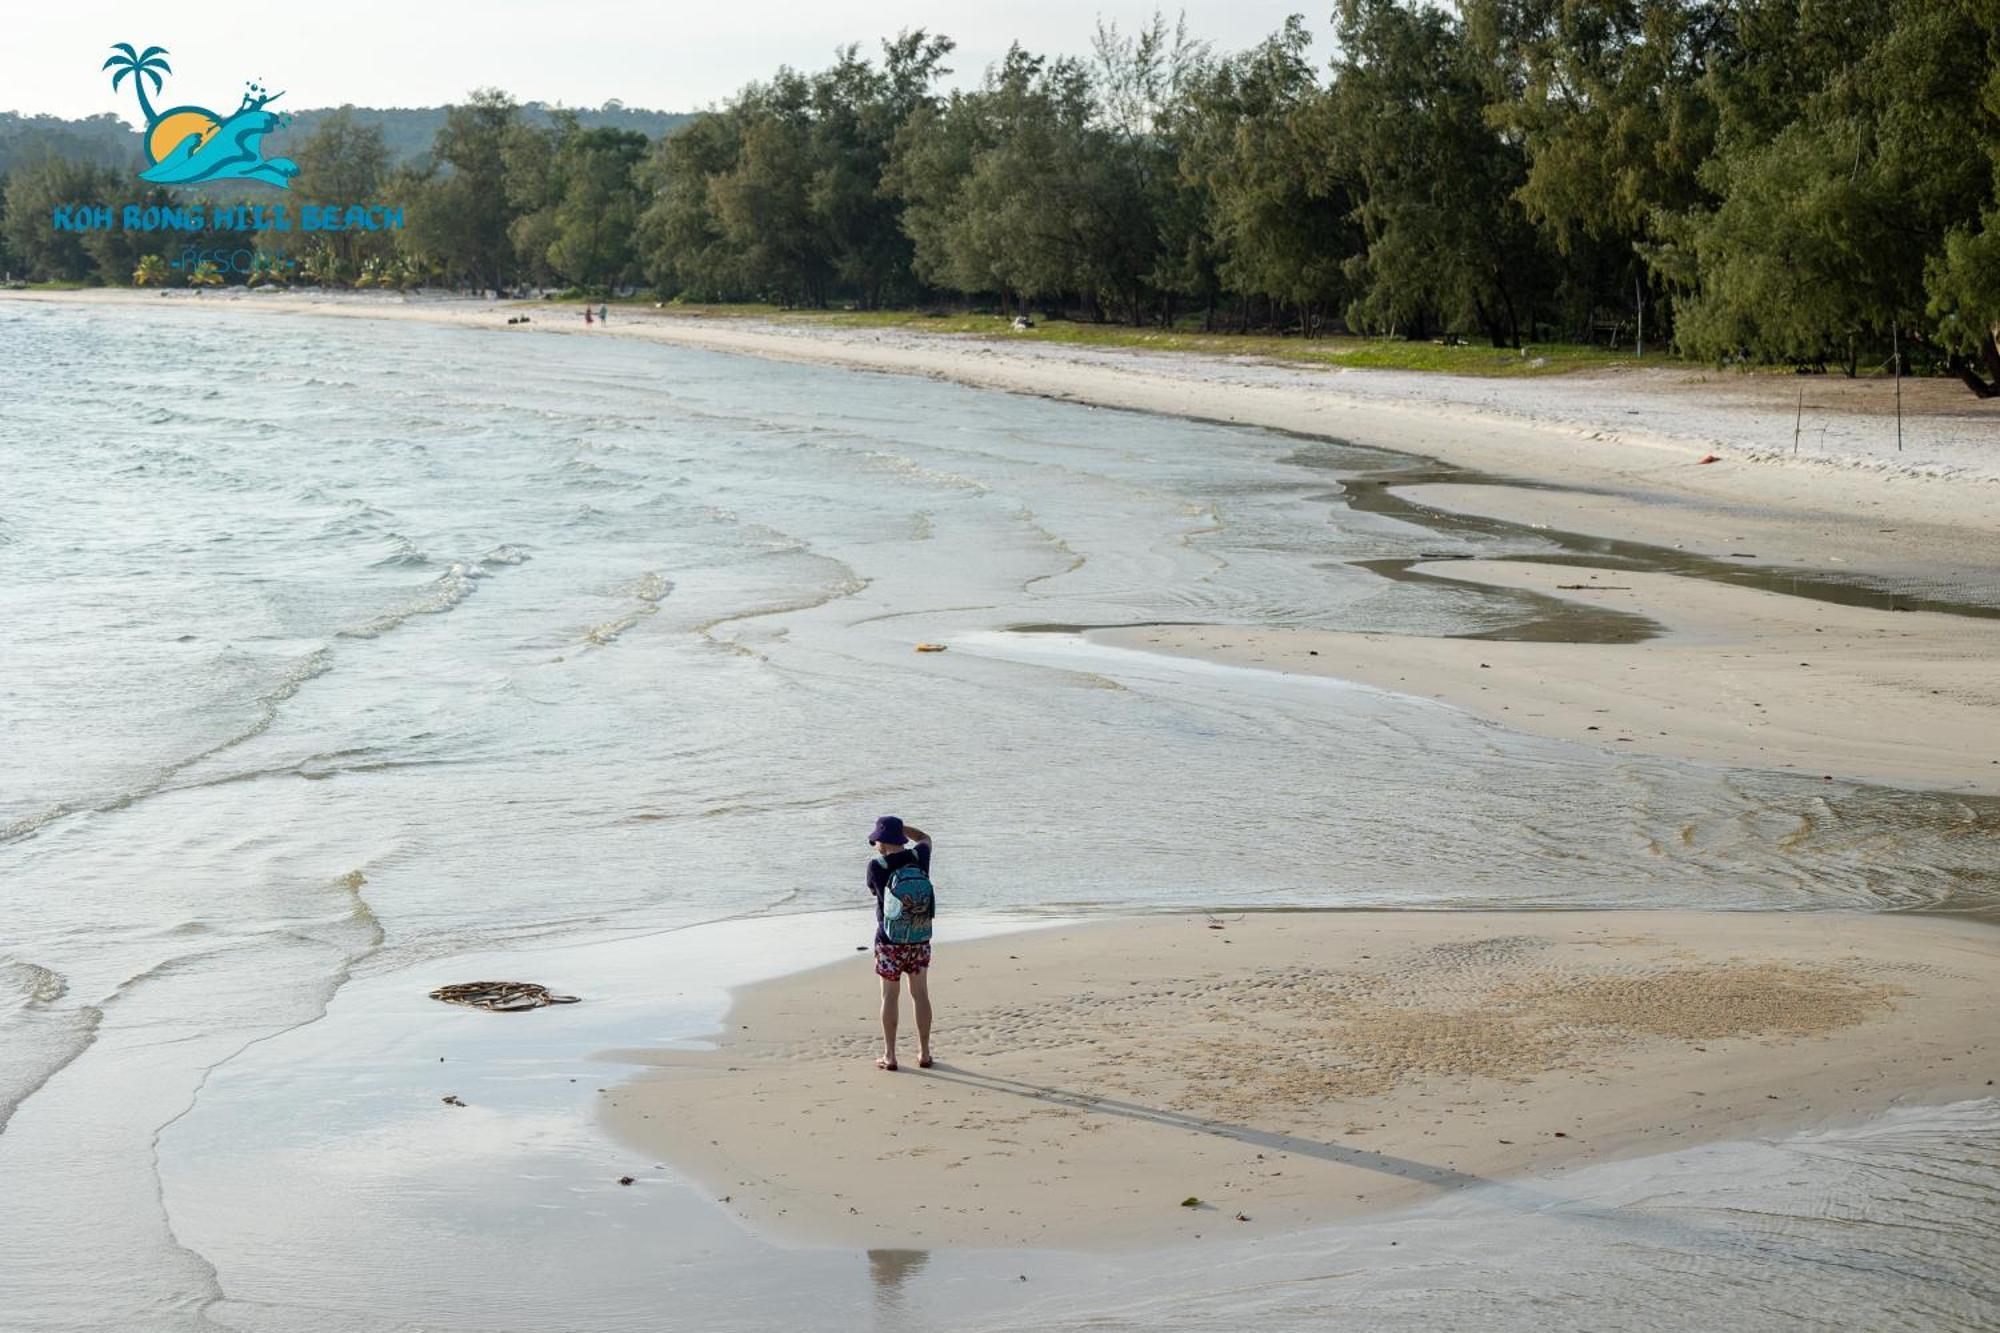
1706,458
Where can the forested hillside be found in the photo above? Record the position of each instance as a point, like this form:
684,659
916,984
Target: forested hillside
407,132
1793,181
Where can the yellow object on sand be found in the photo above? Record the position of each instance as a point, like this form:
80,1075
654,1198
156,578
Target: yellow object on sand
930,647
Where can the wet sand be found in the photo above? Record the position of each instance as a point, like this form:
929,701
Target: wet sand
1917,556
1738,677
1284,1069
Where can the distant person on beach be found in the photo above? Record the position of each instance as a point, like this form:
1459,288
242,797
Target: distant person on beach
899,875
586,314
603,314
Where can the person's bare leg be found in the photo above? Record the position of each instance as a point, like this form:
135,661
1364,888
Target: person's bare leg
920,1000
891,989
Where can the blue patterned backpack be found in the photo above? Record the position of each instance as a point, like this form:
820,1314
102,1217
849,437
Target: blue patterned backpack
908,904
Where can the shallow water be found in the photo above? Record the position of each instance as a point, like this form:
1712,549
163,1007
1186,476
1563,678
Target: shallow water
399,1212
402,642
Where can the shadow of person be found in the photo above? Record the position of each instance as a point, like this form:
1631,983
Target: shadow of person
1674,1230
1404,1168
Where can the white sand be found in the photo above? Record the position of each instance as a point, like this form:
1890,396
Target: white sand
1741,677
1292,1068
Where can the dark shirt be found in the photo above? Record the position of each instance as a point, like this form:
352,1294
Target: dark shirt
878,876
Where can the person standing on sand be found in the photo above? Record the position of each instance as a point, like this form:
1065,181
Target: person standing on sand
901,869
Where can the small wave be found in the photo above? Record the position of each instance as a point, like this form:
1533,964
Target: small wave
505,554
30,984
405,555
440,595
1027,516
294,676
357,518
363,915
650,589
845,588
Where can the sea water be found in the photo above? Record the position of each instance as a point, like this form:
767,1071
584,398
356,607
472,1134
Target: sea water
332,649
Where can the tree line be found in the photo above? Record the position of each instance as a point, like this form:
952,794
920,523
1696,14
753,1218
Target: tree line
1795,181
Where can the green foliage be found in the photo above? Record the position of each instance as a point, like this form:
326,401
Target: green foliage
1279,220
151,271
1765,180
344,161
1446,241
682,243
1844,178
458,204
103,140
408,133
1608,102
1964,287
578,198
782,194
33,193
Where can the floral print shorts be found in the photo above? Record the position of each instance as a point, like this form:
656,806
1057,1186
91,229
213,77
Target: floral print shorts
892,960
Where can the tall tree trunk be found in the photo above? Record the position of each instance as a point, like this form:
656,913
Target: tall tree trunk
1962,366
1489,321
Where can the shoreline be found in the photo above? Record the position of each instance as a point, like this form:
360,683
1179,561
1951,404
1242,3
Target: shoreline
1740,677
1299,1068
1853,520
1533,431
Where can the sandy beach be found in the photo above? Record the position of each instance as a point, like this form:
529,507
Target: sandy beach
1288,1069
1739,677
497,638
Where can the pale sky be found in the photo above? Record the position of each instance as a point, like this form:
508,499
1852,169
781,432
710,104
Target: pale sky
668,54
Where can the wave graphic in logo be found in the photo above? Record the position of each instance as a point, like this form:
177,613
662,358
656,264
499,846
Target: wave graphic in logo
190,145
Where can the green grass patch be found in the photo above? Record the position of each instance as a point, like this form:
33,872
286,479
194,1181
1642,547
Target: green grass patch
1337,350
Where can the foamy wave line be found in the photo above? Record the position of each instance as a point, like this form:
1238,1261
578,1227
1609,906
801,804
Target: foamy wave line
651,589
845,588
440,595
31,983
406,554
316,663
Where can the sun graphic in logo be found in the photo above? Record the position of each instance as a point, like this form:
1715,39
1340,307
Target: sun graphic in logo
175,125
186,145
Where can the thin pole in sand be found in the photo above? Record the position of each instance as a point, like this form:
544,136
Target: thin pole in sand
1896,355
1799,417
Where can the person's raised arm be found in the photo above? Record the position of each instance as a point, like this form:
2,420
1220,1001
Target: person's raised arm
915,834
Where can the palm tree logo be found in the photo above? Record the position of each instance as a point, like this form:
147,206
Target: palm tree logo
148,65
186,145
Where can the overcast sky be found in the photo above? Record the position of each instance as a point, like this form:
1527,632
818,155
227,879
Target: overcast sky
666,54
